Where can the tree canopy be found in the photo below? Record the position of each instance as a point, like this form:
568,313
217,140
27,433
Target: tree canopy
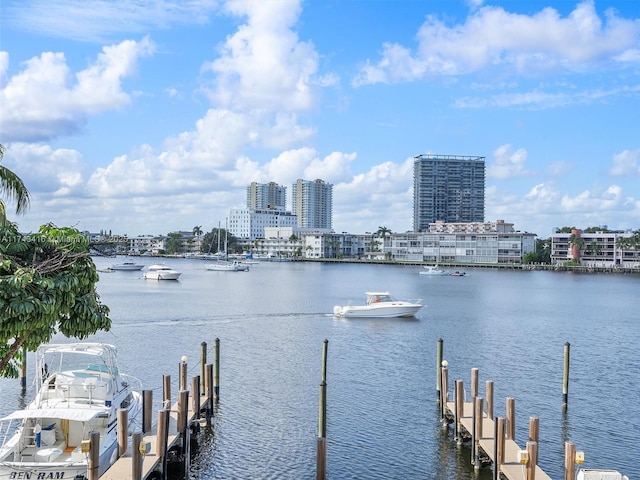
47,285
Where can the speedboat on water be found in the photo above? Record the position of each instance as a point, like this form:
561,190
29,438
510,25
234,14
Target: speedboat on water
161,272
79,390
433,270
129,266
378,305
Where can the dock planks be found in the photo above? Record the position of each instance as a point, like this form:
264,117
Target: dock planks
511,468
122,469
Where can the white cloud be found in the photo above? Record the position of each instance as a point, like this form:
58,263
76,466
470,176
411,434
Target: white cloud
44,100
508,164
494,38
626,163
264,65
45,170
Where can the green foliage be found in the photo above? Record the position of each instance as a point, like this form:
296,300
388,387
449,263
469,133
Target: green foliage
565,229
47,285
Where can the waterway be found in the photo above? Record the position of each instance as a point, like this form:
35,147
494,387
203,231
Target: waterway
382,419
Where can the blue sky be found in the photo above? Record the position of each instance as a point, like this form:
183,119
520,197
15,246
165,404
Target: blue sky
145,117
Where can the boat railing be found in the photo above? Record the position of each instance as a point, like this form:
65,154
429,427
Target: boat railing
8,429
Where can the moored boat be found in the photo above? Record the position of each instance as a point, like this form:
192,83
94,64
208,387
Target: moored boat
79,390
379,305
128,265
161,272
223,266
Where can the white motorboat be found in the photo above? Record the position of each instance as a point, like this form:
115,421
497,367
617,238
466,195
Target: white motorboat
235,266
379,305
161,272
79,390
433,270
129,266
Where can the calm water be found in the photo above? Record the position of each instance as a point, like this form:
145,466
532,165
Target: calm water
382,417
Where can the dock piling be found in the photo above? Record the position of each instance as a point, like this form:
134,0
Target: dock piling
438,366
123,422
136,456
203,362
163,440
182,373
216,374
147,408
444,392
93,468
166,391
565,376
511,418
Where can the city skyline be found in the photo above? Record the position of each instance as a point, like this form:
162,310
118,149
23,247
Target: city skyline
150,119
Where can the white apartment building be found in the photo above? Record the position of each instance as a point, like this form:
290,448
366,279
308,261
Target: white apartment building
599,249
250,224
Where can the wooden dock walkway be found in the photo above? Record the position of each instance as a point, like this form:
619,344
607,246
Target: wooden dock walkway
122,469
511,468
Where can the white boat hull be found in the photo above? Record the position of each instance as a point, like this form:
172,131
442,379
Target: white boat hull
392,310
162,275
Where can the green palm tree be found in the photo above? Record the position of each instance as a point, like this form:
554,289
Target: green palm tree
12,188
197,230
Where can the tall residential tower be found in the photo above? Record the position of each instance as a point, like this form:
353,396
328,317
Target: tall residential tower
266,196
312,203
447,188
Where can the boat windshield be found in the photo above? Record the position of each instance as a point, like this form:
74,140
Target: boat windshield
379,298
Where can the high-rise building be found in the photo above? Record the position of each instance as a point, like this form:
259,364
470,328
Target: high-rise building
266,196
447,188
312,203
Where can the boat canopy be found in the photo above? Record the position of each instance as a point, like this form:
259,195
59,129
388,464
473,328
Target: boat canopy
80,415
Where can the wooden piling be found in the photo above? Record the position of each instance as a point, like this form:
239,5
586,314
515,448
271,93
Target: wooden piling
182,374
195,395
183,412
163,440
147,409
438,367
534,433
93,468
208,381
478,417
216,374
444,385
136,456
166,391
569,461
532,452
511,418
499,442
565,376
123,425
489,395
203,362
459,410
474,382
325,351
321,460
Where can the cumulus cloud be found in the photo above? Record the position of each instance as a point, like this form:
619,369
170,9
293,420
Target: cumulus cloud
57,172
626,163
508,163
492,38
46,100
264,65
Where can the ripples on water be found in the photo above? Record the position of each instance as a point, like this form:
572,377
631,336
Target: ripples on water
382,421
